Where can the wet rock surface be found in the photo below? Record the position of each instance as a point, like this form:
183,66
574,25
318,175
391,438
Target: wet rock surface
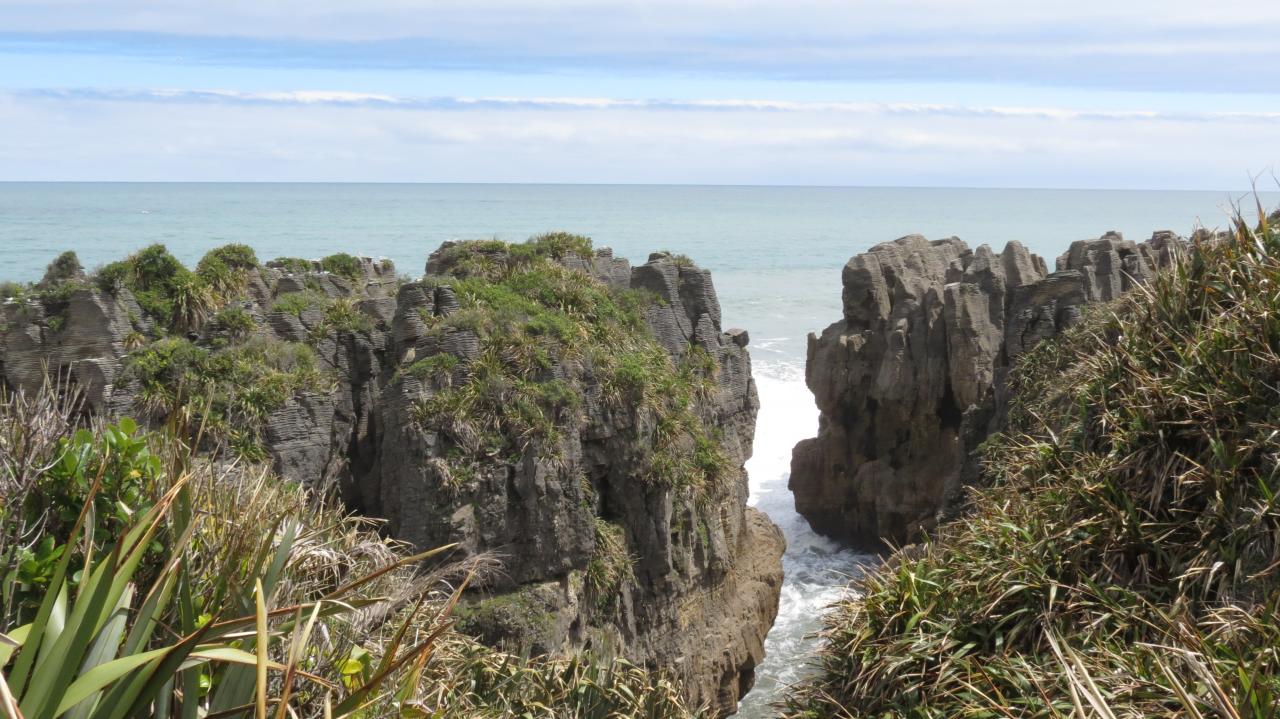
911,379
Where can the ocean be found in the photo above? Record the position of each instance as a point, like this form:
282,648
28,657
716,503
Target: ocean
775,253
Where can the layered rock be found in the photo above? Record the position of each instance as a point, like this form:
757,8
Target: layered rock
704,571
912,378
693,574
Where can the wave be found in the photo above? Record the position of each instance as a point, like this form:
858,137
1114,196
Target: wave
816,570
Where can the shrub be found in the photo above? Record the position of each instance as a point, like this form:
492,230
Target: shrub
65,266
191,301
292,265
13,290
343,265
164,289
344,315
224,269
235,321
295,303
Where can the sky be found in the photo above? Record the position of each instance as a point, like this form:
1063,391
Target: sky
1174,94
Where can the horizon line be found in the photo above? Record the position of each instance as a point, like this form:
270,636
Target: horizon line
1247,191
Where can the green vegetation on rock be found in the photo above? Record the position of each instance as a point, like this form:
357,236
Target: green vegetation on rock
224,268
293,265
343,265
65,266
611,566
235,321
232,390
1123,561
163,287
542,328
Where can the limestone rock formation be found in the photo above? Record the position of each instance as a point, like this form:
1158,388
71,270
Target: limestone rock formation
601,548
704,569
912,378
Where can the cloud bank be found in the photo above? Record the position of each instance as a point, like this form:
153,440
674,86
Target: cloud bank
1177,45
229,135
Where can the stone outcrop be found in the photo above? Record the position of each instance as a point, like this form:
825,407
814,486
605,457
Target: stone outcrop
703,571
706,569
912,378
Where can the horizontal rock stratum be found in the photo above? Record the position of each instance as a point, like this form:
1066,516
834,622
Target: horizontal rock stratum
584,421
911,379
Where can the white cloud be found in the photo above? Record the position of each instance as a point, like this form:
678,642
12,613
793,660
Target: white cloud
728,105
1137,44
389,19
318,136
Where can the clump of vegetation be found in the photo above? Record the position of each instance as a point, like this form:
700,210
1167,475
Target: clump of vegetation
293,265
611,567
344,315
1124,561
235,321
224,268
296,303
210,590
677,259
542,328
518,621
163,287
234,389
64,267
343,265
13,290
495,258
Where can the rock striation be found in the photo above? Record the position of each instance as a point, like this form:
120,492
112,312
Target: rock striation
912,378
598,550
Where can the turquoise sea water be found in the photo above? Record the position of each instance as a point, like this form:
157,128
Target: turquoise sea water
776,254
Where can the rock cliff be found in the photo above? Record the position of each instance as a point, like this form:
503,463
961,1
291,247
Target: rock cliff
911,380
584,421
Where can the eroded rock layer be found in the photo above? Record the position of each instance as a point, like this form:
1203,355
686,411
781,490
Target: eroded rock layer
911,379
618,513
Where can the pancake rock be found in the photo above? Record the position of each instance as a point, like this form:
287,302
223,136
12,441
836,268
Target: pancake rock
911,379
618,513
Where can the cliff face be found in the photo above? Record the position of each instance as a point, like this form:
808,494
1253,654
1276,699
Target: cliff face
584,421
911,380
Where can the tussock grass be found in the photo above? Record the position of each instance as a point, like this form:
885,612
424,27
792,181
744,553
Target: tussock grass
1125,559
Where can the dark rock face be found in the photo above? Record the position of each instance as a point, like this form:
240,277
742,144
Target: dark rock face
705,570
912,378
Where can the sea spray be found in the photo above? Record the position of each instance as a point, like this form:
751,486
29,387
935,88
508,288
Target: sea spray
816,569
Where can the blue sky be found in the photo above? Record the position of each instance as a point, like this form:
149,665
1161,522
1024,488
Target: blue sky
1140,94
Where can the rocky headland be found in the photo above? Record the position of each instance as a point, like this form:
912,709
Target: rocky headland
583,421
913,377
